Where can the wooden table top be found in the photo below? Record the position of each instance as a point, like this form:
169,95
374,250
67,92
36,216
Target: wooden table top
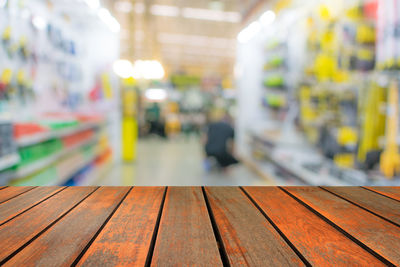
211,226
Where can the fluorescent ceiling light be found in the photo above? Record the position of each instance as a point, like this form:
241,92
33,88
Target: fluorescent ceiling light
214,15
109,20
93,4
123,68
123,6
148,69
156,94
267,18
161,10
195,40
249,32
40,23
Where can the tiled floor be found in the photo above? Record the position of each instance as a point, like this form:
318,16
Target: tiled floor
176,162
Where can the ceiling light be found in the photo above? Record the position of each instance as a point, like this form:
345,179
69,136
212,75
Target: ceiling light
207,14
94,4
123,6
123,68
148,69
161,10
156,94
40,23
109,20
249,32
267,18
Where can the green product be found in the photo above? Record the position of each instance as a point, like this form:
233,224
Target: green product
274,81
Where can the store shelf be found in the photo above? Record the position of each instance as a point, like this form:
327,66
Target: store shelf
41,137
8,161
78,165
95,176
295,167
42,163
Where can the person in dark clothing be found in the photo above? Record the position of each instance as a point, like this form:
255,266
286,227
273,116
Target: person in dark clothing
219,141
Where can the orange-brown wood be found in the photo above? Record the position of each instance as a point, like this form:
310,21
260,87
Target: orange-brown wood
377,234
63,242
185,236
19,204
389,191
125,240
15,233
320,243
248,238
2,187
10,192
383,206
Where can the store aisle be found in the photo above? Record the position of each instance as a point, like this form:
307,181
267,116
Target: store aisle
176,162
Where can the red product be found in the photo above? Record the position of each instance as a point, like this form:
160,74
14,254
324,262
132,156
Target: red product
23,129
77,138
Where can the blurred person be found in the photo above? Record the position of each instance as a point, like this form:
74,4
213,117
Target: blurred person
218,140
154,120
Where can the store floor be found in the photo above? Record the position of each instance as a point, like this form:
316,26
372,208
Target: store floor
177,162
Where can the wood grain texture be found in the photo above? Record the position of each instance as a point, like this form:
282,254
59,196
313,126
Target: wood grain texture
63,242
383,206
10,192
16,205
249,239
185,236
125,240
390,191
316,240
15,233
376,233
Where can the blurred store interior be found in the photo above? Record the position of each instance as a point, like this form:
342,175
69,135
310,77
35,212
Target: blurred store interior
199,92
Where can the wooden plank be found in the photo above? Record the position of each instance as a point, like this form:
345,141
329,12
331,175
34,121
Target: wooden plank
15,206
126,238
10,192
320,243
380,205
375,233
63,242
389,191
15,233
247,236
2,187
185,236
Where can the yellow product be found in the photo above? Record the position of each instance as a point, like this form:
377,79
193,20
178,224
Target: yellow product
390,158
325,66
347,136
365,34
373,122
344,160
129,138
6,76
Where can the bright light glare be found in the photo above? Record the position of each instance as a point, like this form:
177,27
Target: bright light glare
148,69
249,32
94,4
156,94
267,18
3,3
125,7
207,14
39,22
123,68
109,20
161,10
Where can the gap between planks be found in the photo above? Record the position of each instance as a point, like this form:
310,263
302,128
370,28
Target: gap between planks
46,228
352,238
